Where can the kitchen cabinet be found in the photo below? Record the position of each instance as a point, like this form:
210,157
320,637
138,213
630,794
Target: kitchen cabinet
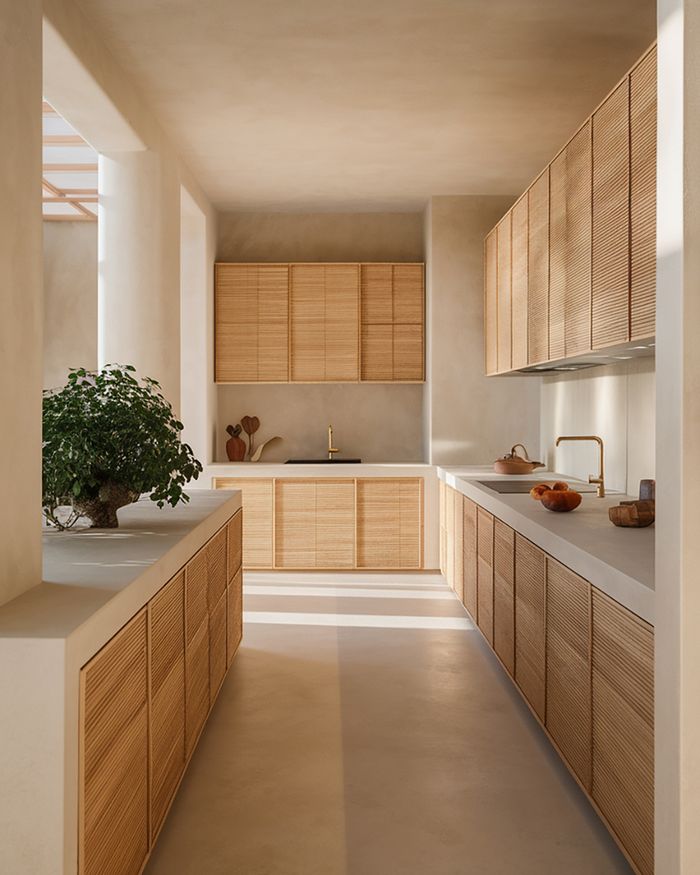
258,515
643,198
113,835
484,573
234,615
469,556
166,634
504,594
571,267
251,319
622,648
314,523
611,228
530,623
389,522
454,545
196,648
569,667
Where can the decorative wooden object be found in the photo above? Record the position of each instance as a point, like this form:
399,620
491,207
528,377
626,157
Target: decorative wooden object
250,425
484,573
235,445
530,623
633,514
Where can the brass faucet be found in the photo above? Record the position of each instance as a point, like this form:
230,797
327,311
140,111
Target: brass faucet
331,448
600,479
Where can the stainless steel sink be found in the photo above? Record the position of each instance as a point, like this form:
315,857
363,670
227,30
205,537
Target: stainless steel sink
520,487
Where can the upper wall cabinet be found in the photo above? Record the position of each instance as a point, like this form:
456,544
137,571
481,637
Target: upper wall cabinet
319,323
572,267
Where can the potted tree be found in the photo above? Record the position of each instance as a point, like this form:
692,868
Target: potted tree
108,438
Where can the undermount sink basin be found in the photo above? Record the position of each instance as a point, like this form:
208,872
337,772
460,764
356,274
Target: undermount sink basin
520,487
323,461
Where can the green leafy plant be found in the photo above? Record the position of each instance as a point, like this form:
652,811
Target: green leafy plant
108,438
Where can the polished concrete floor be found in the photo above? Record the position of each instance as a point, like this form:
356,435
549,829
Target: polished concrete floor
366,729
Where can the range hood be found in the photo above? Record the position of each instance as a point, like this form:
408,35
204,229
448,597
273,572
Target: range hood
608,356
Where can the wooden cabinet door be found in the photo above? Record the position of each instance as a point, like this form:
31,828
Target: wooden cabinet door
484,535
377,294
611,229
623,726
530,623
442,499
569,667
335,523
491,303
378,353
166,620
450,537
234,618
643,197
469,553
235,543
257,518
577,300
295,524
557,256
503,230
342,322
390,522
408,294
504,594
458,546
307,308
113,791
196,648
519,283
217,580
251,319
538,270
408,353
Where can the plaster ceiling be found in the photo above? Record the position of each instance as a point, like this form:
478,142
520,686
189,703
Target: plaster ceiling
370,104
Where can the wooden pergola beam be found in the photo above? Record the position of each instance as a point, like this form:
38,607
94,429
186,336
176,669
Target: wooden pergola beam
70,168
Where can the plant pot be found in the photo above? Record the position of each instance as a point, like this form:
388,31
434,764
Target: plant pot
102,509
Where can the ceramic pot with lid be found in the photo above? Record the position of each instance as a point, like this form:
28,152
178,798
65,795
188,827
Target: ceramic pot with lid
512,463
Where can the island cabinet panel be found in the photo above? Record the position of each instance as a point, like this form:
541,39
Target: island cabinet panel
504,594
114,837
166,619
538,270
530,623
458,517
504,234
251,317
389,522
623,726
257,518
643,197
469,556
235,543
569,667
234,618
217,646
196,648
325,322
611,227
491,302
519,272
484,573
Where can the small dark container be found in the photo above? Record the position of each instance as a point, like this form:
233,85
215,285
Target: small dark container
647,490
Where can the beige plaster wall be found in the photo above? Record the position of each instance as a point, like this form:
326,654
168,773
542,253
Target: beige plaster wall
320,237
616,402
20,296
70,299
377,423
469,418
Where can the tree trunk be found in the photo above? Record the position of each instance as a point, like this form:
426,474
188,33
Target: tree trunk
102,510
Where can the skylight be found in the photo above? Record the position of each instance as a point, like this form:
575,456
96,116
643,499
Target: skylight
69,180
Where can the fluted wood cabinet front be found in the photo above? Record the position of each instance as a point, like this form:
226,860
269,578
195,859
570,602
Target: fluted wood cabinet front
569,667
114,836
258,516
519,283
504,236
469,558
491,303
196,648
390,522
484,573
504,594
530,623
538,270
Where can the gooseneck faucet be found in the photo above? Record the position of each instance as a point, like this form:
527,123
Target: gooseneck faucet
600,479
331,448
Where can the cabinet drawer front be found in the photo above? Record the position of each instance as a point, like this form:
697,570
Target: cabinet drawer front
569,667
504,595
530,623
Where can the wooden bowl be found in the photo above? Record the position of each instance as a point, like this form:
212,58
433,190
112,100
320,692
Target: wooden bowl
561,500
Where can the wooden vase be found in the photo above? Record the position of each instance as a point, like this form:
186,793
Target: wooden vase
235,449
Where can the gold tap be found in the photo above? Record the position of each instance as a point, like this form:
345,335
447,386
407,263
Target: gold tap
600,479
331,448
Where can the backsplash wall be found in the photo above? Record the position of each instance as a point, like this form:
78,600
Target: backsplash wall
374,422
615,402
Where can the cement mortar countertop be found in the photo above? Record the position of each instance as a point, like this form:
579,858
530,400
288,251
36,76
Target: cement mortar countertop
618,561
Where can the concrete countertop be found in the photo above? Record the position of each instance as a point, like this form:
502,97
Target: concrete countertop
90,573
618,561
334,469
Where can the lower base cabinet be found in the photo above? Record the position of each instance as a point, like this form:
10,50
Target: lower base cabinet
144,699
583,662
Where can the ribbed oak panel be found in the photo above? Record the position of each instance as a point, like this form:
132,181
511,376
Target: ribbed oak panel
611,229
196,593
569,667
450,531
470,556
538,270
643,197
295,523
519,283
217,646
530,623
577,298
485,573
376,292
307,320
217,576
257,497
408,353
558,191
408,294
503,230
389,522
196,684
491,303
113,835
234,620
504,594
623,726
458,546
377,352
235,543
342,322
335,523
